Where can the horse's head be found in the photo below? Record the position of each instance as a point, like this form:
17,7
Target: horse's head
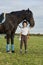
29,17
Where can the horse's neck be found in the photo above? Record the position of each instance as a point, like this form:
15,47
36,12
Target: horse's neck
21,18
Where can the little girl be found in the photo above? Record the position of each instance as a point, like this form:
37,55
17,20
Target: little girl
23,35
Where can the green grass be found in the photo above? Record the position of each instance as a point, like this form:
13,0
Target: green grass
33,57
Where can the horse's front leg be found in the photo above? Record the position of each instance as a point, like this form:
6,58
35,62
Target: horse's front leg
12,43
8,43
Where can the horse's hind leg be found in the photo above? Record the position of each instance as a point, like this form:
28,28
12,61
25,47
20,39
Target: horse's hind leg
8,43
12,43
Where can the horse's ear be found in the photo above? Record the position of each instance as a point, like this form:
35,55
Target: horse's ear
28,9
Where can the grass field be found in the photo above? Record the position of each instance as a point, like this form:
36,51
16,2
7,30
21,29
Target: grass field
33,57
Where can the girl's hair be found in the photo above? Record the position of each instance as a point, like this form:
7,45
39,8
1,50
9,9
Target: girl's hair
24,22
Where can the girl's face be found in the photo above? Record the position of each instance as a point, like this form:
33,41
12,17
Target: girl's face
24,24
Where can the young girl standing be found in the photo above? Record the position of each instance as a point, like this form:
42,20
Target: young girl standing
23,35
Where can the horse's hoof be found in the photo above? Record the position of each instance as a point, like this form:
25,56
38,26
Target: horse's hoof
13,51
8,51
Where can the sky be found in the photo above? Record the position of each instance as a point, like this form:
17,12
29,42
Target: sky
36,6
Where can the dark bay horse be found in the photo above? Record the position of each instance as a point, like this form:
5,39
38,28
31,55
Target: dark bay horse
13,19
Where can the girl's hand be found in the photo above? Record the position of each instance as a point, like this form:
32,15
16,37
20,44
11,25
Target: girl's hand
20,38
28,36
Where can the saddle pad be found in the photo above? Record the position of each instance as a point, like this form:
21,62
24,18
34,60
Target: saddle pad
2,18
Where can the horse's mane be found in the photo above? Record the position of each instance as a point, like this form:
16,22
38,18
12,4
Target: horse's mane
21,12
17,12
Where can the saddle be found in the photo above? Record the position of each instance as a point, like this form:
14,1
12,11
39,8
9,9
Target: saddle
2,18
